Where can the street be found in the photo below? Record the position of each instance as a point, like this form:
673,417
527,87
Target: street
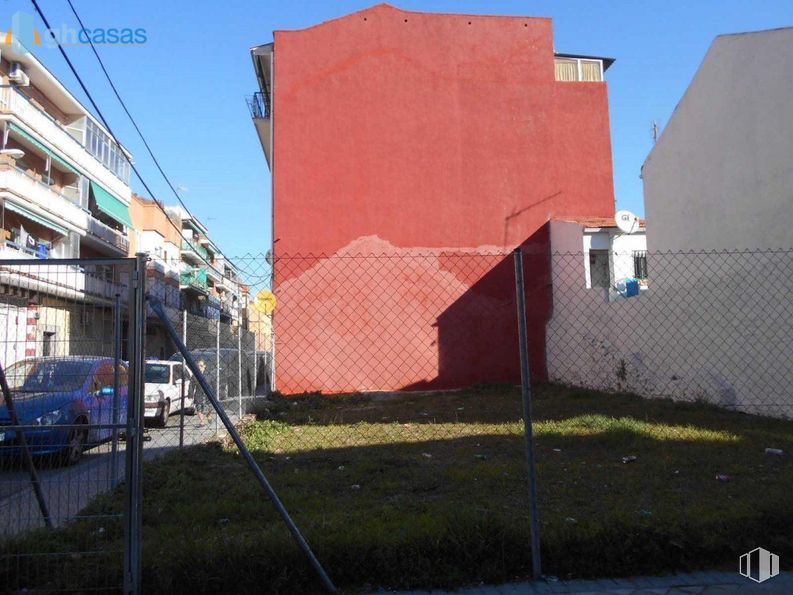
67,490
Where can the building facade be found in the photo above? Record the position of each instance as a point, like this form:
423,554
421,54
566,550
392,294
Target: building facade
209,281
720,176
411,133
64,188
65,193
713,324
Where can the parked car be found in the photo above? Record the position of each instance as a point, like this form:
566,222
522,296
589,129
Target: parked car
163,391
67,397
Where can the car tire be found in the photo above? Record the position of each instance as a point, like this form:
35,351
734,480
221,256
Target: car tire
75,445
162,415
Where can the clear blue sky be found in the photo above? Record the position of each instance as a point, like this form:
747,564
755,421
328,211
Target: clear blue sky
186,86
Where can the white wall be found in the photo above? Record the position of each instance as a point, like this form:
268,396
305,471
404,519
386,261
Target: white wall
621,247
711,326
721,174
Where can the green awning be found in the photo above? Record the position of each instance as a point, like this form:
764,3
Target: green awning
27,213
111,206
54,156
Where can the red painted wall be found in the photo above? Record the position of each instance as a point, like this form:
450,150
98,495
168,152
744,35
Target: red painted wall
432,132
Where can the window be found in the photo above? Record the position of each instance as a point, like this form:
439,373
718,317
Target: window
599,273
101,146
640,264
591,70
566,70
103,377
158,374
46,343
571,69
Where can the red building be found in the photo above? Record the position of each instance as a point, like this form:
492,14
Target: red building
405,133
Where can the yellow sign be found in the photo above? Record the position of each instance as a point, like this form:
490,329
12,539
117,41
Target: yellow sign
265,302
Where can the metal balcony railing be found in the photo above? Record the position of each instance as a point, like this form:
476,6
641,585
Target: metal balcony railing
195,278
259,104
108,235
188,246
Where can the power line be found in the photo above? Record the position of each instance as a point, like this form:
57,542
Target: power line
124,106
107,125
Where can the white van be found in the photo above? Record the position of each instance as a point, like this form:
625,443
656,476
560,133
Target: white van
163,391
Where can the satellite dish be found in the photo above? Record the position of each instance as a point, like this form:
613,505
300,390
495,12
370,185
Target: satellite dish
627,221
15,153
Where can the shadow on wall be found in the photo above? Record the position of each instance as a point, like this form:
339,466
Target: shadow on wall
478,332
379,317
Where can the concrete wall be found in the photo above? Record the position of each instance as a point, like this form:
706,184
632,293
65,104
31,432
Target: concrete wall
721,176
420,134
712,327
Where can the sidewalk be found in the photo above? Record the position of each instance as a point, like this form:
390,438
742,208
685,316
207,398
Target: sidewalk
695,583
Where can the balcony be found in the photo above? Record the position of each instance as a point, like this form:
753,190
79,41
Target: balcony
46,199
194,251
259,105
229,309
195,279
109,237
52,278
14,103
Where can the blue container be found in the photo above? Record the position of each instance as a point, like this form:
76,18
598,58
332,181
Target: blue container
631,287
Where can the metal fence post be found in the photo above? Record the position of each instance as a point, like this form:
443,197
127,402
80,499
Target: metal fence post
181,409
217,369
239,369
272,368
116,383
525,376
255,368
134,453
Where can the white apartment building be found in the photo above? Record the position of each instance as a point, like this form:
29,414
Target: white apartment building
64,193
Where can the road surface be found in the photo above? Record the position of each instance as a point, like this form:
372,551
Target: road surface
68,490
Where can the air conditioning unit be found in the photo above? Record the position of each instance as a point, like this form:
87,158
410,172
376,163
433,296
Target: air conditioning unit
17,75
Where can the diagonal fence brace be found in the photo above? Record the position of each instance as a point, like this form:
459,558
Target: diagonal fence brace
34,476
157,308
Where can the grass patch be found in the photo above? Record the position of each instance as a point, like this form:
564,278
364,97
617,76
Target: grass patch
414,491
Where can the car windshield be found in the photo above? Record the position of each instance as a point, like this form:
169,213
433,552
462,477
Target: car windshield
158,373
35,376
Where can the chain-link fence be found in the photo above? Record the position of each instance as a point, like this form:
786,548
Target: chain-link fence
710,327
64,421
379,395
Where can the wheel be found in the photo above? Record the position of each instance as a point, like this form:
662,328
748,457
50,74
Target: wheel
75,445
162,414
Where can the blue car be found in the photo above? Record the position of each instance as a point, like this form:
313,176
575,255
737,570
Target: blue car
55,393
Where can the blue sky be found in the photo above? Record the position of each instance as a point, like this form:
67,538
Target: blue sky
187,85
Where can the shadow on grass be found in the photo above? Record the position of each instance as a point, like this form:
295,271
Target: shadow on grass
405,503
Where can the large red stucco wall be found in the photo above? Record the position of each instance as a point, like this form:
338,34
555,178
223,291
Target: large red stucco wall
432,133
